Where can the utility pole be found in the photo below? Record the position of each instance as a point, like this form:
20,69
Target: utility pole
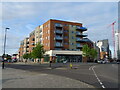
4,48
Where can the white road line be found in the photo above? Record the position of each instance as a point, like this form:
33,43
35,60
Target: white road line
97,77
90,67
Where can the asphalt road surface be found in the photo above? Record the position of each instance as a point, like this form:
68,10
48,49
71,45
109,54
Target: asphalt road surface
97,75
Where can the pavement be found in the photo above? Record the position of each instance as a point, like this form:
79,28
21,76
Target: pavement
16,78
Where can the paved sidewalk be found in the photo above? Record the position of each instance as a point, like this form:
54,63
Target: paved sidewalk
15,78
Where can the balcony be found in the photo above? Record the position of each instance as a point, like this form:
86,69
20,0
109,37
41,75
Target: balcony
58,45
58,31
80,40
81,34
59,38
27,46
81,28
79,46
58,25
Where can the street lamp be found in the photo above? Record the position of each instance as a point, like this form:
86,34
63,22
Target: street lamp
4,47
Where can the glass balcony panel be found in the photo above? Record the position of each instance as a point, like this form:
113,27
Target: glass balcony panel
59,31
58,25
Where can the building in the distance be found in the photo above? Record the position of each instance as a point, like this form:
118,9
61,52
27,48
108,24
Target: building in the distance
117,45
98,51
104,48
61,40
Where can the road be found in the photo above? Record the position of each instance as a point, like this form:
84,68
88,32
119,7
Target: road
97,75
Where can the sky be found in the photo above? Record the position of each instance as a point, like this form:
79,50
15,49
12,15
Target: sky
23,17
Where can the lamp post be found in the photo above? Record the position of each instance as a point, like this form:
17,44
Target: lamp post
4,47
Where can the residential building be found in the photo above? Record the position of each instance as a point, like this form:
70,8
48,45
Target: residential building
104,48
38,34
31,41
24,47
61,39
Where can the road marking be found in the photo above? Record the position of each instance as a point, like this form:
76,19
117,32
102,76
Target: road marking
90,67
97,76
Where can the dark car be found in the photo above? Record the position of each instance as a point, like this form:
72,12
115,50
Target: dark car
118,61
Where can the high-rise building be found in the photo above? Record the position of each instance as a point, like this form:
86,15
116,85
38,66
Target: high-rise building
104,48
117,45
61,39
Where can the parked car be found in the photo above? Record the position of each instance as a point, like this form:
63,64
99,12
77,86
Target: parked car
103,61
14,60
99,61
118,61
65,61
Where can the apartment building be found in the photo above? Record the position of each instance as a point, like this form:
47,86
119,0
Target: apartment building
39,34
24,47
31,41
61,39
104,48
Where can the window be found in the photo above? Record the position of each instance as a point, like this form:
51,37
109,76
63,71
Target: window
66,37
33,39
48,38
66,43
49,25
46,26
72,31
65,24
65,30
72,37
48,31
72,43
33,44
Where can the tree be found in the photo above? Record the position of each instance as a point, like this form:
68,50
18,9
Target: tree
89,52
93,53
86,51
38,51
26,56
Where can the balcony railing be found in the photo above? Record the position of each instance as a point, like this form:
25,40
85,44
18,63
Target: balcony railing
58,25
59,31
59,38
81,34
59,45
82,40
81,28
79,46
